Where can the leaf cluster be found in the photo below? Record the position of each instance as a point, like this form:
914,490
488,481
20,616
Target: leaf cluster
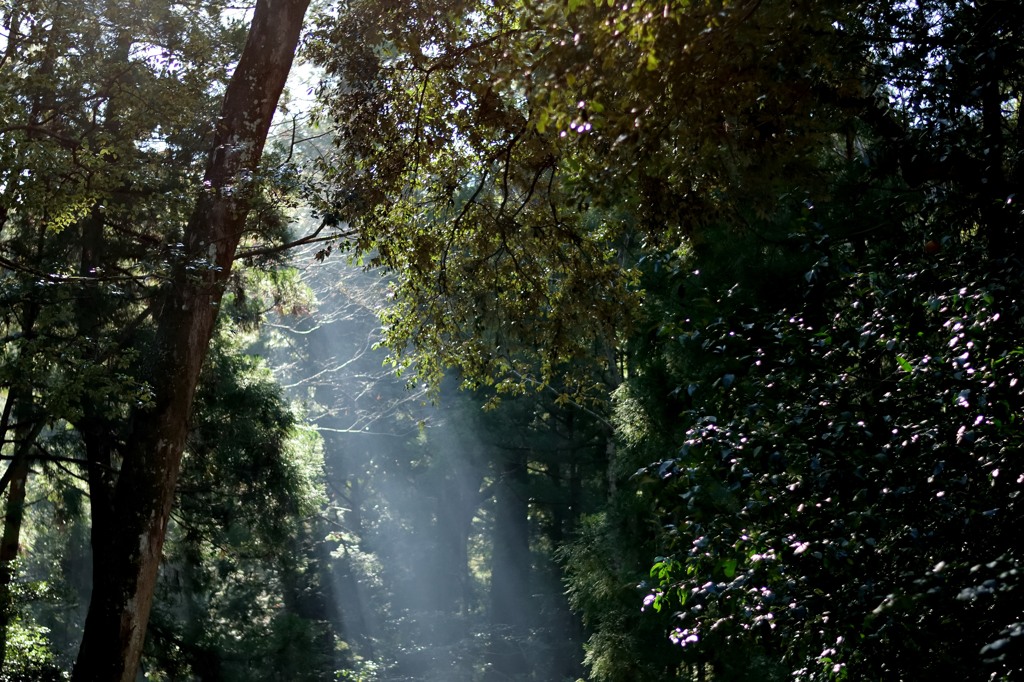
841,478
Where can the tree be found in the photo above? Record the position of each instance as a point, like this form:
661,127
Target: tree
542,162
234,592
821,497
86,88
66,107
250,486
129,558
458,193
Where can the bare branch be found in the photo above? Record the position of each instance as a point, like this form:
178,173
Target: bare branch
312,238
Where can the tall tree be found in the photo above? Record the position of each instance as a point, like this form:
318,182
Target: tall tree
128,554
89,199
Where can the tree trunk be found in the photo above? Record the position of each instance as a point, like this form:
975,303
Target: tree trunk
26,431
614,378
512,608
457,504
14,515
131,548
19,404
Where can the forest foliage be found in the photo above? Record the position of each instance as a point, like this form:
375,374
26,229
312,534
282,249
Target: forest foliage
739,284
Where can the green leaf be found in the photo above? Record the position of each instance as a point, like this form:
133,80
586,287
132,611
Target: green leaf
542,122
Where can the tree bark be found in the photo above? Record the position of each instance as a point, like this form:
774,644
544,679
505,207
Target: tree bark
512,608
19,404
123,588
26,433
14,512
